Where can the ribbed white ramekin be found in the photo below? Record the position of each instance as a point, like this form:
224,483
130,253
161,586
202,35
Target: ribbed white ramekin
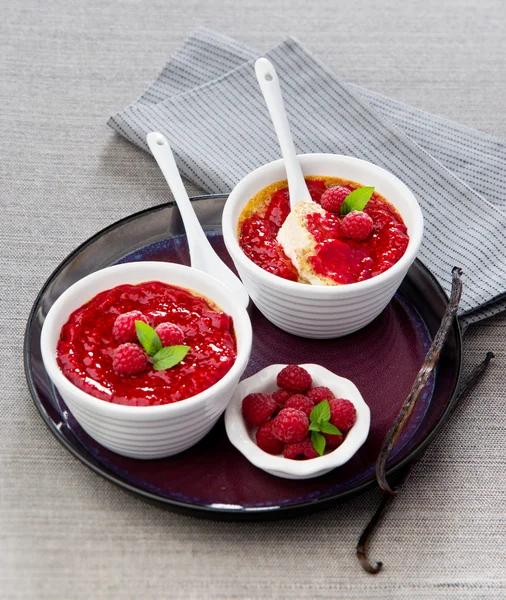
322,311
146,431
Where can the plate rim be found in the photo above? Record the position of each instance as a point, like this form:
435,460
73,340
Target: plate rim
205,511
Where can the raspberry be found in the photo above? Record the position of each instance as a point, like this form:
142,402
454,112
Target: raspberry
357,225
294,378
281,396
258,407
129,359
170,334
123,329
290,425
304,448
266,440
300,402
319,393
343,414
333,198
333,440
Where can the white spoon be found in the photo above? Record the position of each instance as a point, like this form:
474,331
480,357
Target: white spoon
269,84
202,255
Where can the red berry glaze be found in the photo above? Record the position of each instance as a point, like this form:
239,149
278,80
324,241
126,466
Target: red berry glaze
316,189
129,359
86,346
294,378
266,440
123,329
290,425
347,255
300,402
320,393
258,241
343,414
357,225
257,408
324,227
170,334
278,209
341,262
333,198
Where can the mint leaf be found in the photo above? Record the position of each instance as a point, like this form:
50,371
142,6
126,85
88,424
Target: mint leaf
314,427
318,442
329,428
356,200
148,338
169,356
320,413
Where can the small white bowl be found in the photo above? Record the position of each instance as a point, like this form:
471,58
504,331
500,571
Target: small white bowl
322,311
146,431
242,435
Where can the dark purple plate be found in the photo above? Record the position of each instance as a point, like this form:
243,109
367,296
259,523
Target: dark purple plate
212,479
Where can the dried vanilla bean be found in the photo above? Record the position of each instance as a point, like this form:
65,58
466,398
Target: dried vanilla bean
363,542
428,366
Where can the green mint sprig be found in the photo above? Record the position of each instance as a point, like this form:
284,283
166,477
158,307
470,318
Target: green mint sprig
357,199
319,423
163,358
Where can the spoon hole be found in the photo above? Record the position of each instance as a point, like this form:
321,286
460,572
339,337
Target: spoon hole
268,77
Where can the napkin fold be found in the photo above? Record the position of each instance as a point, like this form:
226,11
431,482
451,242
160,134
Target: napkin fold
207,102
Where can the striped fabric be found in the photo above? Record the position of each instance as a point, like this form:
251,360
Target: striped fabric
207,102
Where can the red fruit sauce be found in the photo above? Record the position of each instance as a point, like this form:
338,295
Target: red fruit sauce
86,345
336,257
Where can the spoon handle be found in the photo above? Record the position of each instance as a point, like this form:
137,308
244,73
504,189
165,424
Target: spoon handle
202,254
269,85
162,152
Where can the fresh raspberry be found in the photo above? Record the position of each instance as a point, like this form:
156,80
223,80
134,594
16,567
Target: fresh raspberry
294,378
258,407
290,425
333,440
357,225
266,440
333,198
319,393
304,448
123,329
129,359
343,414
281,396
300,402
170,334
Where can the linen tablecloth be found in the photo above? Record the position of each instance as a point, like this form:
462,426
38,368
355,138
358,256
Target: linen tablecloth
66,533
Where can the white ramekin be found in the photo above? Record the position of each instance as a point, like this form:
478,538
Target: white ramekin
146,431
322,311
242,435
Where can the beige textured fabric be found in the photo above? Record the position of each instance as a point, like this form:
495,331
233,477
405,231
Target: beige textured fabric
66,533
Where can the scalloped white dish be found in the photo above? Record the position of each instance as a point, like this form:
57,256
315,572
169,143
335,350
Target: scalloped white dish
242,435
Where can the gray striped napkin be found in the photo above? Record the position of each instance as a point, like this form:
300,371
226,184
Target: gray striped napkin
207,102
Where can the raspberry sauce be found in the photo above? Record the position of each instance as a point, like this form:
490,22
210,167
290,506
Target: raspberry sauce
336,257
87,344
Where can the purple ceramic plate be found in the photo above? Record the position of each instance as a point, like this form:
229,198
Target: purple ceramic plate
212,479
